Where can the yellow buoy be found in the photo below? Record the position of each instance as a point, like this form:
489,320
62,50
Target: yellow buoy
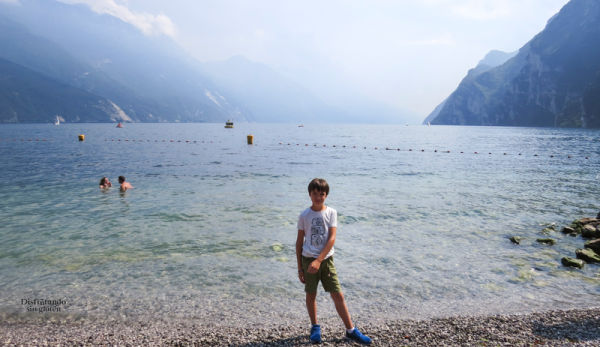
81,137
250,139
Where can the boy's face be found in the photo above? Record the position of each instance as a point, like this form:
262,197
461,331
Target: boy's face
317,198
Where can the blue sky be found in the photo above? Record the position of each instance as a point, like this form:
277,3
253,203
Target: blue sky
408,54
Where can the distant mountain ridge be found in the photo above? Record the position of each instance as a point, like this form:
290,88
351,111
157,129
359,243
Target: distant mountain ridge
147,79
91,61
553,81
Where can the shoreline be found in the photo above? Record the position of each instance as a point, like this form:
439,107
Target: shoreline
579,327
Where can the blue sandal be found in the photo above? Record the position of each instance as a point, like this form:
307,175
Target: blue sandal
315,334
358,337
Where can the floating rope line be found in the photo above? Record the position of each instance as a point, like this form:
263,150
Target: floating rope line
157,141
24,140
423,150
376,148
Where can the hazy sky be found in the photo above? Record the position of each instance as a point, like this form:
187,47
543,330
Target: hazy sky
409,54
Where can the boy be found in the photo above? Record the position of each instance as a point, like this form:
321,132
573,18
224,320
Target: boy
317,226
124,184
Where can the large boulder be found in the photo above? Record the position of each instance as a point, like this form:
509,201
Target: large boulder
588,255
590,231
584,221
594,245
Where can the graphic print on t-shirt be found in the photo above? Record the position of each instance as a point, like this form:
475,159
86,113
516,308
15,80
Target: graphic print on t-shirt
317,232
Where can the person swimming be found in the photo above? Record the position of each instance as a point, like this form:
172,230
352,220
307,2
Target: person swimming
105,183
124,184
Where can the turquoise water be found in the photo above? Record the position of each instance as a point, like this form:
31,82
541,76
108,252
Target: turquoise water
210,227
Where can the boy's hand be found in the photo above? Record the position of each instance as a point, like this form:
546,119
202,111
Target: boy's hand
301,276
314,266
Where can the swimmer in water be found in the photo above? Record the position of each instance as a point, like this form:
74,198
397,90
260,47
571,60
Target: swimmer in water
124,184
105,183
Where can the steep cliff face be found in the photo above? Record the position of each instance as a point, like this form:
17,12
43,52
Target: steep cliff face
493,59
554,80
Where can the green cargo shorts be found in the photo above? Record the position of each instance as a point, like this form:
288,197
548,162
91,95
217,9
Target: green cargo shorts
326,274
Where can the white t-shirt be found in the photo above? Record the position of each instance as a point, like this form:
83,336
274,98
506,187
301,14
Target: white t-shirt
316,226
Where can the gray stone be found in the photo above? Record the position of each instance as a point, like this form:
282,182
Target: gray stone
571,262
588,255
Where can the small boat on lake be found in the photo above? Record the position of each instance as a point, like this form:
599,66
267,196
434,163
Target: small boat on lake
120,125
57,121
229,124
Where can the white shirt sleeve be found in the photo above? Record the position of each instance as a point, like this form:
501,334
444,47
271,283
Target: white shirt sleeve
333,221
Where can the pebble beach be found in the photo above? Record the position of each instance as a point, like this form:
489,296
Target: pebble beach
576,327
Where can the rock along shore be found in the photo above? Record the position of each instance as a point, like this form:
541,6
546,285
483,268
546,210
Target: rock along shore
577,327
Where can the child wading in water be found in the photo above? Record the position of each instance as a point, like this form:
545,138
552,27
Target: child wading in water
317,226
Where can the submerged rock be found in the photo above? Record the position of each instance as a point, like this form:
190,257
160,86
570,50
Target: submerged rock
571,262
588,255
547,241
549,229
569,230
516,239
594,245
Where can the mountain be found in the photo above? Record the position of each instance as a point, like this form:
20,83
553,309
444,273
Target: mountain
553,81
30,97
112,67
148,78
491,60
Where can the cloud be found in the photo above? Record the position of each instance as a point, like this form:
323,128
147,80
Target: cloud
149,24
9,2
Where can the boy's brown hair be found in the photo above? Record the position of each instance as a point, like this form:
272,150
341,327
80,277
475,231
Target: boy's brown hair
319,185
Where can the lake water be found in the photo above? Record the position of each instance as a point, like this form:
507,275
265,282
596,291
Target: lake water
210,228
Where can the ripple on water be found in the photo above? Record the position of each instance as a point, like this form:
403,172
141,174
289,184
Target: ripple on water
423,228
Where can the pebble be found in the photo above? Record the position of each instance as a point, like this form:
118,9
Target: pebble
577,327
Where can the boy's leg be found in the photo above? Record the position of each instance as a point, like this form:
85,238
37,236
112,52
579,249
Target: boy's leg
311,306
332,285
342,309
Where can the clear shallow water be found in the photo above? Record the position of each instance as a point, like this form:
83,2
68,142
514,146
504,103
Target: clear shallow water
209,230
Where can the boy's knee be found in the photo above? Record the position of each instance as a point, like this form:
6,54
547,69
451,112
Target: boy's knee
337,295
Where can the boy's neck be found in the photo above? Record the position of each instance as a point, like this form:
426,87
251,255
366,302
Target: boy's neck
318,208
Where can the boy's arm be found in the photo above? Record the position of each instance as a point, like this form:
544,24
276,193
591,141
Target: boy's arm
299,243
316,264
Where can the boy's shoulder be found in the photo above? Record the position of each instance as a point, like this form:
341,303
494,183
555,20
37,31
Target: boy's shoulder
305,212
326,211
